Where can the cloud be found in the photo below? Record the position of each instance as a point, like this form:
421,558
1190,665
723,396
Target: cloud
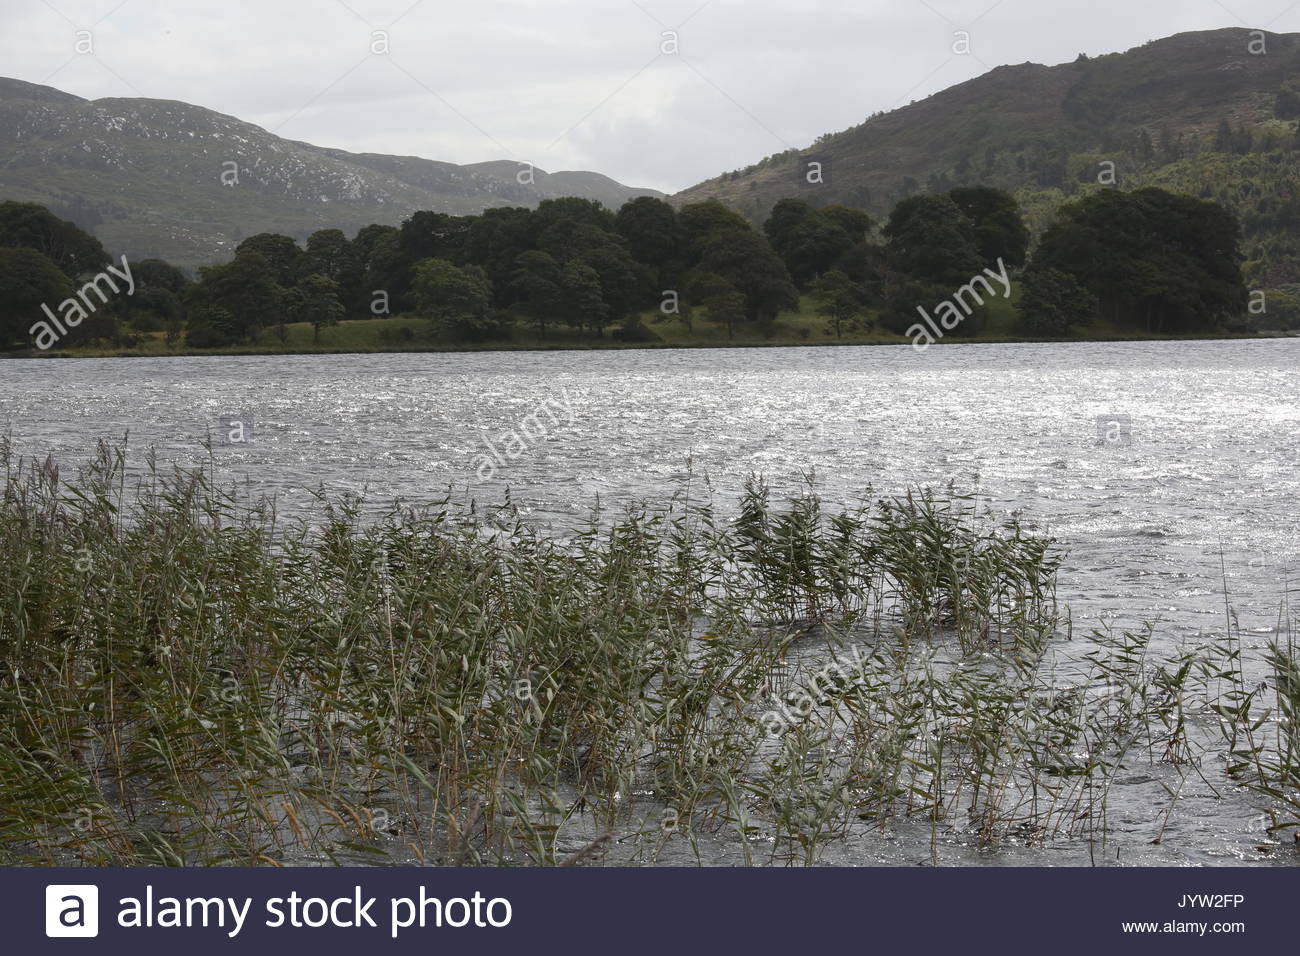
571,84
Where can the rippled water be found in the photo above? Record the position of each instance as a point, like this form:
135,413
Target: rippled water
1200,490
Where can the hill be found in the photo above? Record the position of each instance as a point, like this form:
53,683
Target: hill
146,176
1203,113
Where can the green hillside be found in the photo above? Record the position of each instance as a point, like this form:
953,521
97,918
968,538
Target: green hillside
164,179
1211,114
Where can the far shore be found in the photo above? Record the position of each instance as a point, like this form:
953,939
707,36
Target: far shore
371,345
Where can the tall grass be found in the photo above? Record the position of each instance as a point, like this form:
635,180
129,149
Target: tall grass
186,678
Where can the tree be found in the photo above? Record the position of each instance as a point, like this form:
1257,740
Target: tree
212,327
930,240
156,304
30,226
650,229
435,235
585,240
810,241
866,263
932,251
999,229
331,255
316,300
1287,105
619,281
244,289
1223,138
382,278
905,296
783,220
495,240
573,209
745,259
158,274
1153,259
459,301
1051,303
699,221
728,308
281,253
855,222
28,280
537,286
842,300
582,304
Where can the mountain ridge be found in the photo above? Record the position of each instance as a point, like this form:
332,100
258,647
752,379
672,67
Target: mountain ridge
98,163
1044,133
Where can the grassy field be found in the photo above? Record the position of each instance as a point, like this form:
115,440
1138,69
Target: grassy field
414,334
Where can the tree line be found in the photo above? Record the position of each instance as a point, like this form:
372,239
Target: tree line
1148,260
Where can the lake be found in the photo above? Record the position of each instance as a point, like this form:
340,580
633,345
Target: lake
1164,469
1199,482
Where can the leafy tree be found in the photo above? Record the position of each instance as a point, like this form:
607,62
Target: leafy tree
280,252
573,209
1051,303
1223,138
582,240
634,330
727,308
245,289
855,222
435,235
649,227
152,309
157,302
930,240
865,263
30,226
1281,310
382,276
1164,262
809,241
1287,104
700,221
28,279
582,302
999,229
619,281
458,300
745,259
316,300
537,287
330,254
725,304
100,326
783,220
212,327
903,299
158,274
842,300
495,240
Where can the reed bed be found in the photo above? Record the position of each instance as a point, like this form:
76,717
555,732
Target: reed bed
188,679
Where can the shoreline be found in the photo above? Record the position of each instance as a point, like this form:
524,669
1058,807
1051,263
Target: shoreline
609,346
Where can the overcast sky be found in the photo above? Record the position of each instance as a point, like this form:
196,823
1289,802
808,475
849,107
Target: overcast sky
572,84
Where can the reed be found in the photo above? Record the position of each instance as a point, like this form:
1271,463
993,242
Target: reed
188,678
